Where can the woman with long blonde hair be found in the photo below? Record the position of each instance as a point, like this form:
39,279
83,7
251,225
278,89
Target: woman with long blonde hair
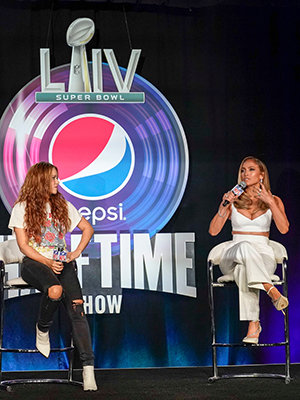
249,259
40,219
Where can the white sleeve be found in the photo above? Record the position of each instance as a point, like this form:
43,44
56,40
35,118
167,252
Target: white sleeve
74,216
17,217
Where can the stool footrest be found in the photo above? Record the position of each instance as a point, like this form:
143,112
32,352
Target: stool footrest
6,385
233,284
4,350
254,375
249,344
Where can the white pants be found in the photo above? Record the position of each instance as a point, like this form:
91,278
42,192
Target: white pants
251,261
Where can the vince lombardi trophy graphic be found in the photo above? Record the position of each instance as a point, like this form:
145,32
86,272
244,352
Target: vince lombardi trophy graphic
79,33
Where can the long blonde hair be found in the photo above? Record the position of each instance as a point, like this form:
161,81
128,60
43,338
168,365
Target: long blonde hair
35,193
244,201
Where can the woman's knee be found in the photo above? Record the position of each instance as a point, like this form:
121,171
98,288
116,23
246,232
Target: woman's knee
55,292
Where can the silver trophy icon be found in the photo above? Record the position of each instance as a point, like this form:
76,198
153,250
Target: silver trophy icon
79,33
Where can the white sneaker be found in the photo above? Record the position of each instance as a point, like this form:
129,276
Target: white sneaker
88,375
42,342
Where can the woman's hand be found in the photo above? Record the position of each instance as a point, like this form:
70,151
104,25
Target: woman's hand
261,193
72,255
276,206
87,232
56,266
229,196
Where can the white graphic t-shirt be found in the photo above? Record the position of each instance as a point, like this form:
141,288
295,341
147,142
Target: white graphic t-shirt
51,237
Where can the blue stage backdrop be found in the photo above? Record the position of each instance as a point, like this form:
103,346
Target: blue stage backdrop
212,85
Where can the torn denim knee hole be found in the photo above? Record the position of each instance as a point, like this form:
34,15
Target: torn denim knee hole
78,308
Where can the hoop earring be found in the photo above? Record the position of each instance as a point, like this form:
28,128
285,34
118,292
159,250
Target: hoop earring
261,181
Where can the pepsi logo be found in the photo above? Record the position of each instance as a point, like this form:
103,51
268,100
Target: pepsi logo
94,156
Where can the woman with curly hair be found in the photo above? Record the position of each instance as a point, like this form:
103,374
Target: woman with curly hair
248,259
40,219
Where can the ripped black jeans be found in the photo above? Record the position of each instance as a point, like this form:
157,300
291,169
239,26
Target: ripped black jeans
41,277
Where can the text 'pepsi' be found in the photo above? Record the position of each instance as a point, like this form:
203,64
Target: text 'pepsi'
100,213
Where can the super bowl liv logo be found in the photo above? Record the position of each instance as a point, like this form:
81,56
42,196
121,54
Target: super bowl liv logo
123,162
80,32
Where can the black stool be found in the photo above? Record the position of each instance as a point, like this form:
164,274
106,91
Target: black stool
213,260
10,254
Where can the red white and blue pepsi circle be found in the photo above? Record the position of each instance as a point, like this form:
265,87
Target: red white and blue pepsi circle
100,168
124,165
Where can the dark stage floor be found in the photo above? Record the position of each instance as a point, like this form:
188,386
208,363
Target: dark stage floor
166,383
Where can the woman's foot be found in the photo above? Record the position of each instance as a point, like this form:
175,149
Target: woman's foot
254,330
279,301
42,342
88,375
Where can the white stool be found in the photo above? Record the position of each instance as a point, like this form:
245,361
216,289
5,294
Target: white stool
10,254
213,259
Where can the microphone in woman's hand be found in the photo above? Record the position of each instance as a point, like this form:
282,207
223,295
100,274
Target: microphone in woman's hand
59,254
237,191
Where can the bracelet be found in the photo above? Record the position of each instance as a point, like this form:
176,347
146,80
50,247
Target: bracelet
222,216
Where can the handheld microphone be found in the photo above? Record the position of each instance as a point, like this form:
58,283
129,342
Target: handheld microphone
237,191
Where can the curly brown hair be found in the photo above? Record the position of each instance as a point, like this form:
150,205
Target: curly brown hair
36,194
244,201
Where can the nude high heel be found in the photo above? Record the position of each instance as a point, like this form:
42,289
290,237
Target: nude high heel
252,340
281,303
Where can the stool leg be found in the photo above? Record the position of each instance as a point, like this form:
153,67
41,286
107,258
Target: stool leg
212,316
286,325
71,362
287,346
